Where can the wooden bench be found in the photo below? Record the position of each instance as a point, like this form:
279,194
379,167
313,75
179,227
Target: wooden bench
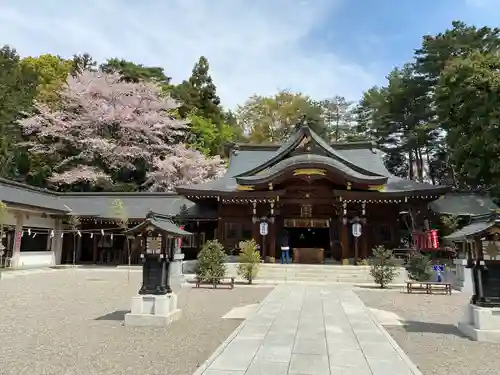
427,285
216,282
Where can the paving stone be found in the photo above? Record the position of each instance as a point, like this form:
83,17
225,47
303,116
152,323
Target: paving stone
223,372
277,338
378,350
254,331
274,353
342,370
237,355
324,337
309,364
389,367
267,368
310,346
348,358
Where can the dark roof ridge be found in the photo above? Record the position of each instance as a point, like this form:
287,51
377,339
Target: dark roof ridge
118,193
293,141
4,181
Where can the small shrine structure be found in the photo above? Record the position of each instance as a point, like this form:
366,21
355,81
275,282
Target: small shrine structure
156,303
480,241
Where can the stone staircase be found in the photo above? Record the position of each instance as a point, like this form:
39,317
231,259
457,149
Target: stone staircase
310,273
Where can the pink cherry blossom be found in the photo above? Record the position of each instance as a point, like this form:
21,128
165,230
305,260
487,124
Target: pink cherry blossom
105,125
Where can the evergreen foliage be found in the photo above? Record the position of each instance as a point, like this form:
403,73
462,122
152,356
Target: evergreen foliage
419,267
249,262
211,264
383,268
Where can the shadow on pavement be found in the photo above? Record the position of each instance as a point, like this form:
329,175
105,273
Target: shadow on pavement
440,328
118,315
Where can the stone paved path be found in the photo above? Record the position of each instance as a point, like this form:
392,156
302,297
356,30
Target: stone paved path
309,330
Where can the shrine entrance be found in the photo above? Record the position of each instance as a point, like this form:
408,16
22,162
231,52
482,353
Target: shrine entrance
309,239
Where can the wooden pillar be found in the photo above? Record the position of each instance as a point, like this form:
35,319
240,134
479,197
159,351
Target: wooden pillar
272,239
198,236
255,227
94,250
220,224
344,233
16,249
364,239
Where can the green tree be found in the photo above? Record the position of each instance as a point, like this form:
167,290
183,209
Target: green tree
383,268
132,72
467,100
211,265
81,62
249,261
198,94
208,137
461,40
119,212
397,117
419,267
74,222
52,73
338,116
18,88
273,118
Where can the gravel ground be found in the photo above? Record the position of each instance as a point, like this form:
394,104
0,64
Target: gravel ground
70,322
429,335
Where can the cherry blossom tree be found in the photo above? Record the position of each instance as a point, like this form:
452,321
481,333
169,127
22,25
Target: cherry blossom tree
107,131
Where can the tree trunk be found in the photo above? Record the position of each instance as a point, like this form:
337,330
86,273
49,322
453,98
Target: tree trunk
433,178
410,160
74,248
420,164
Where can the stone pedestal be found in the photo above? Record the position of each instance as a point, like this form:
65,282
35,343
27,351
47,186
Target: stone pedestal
176,274
153,310
481,323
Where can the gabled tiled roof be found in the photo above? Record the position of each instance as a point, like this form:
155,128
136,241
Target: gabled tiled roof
304,160
160,223
463,204
137,204
15,193
358,159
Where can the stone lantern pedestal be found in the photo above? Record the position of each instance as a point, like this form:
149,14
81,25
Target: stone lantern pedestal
155,304
153,310
481,323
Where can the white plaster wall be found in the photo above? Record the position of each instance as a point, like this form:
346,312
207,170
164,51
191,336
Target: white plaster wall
42,258
31,220
36,259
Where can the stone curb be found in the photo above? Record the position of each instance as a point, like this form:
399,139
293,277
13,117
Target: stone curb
414,369
200,370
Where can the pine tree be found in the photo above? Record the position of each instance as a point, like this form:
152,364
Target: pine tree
211,264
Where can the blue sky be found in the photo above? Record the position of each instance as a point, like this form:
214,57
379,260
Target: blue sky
319,47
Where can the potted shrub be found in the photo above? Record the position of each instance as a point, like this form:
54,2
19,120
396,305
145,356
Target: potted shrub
249,260
211,265
383,268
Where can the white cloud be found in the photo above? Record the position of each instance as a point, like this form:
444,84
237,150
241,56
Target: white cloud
253,46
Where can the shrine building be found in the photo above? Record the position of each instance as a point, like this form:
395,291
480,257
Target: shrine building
336,201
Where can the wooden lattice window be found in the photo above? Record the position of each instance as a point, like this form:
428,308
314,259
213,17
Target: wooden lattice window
306,210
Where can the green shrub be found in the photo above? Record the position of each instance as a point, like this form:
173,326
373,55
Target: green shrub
419,267
249,260
211,264
383,268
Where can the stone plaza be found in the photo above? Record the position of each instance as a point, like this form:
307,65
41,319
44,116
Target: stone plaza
310,330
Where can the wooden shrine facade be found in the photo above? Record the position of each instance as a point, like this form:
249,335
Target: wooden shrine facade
316,192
